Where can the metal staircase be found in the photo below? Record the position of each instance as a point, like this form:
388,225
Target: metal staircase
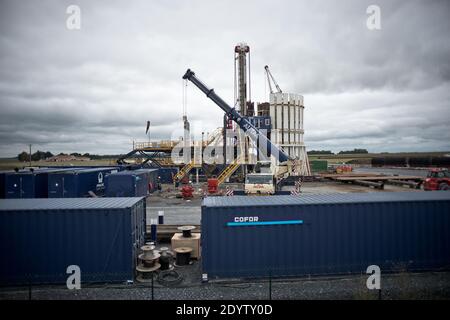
229,170
183,171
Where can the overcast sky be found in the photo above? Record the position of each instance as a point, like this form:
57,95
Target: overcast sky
92,90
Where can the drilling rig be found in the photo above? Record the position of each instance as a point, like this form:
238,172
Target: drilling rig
251,130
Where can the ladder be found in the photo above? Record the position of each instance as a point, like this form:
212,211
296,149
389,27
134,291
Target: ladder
228,171
184,171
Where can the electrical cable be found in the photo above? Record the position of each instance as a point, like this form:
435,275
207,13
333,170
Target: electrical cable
169,278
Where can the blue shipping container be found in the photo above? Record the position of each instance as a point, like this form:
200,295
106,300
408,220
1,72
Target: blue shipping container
28,183
135,183
166,174
40,238
77,183
152,176
325,234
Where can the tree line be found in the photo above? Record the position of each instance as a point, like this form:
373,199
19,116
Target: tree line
325,152
38,155
42,155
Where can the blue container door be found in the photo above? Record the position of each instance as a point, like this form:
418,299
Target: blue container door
120,186
13,187
141,185
55,186
41,185
62,186
91,181
69,186
20,186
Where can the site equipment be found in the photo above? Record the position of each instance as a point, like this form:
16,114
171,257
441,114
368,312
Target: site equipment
437,179
262,182
259,184
270,76
187,192
213,186
242,122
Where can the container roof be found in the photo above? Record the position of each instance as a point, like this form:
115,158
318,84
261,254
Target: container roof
134,172
331,198
146,170
85,170
67,203
40,170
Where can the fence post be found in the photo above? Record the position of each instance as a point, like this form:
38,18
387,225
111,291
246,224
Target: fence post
153,295
270,285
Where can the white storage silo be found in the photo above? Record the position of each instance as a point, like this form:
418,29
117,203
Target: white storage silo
286,112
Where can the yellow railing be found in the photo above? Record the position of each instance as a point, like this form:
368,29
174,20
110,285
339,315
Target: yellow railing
229,170
184,171
161,144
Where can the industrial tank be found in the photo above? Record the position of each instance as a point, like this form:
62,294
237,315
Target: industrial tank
286,112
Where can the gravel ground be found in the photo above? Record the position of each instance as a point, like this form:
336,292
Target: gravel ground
394,286
176,215
179,211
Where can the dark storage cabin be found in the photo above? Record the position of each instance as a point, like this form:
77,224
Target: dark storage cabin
78,183
134,183
29,183
166,174
40,238
325,234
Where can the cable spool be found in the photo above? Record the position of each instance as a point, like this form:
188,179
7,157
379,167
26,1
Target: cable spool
183,256
148,263
149,256
146,274
165,259
187,231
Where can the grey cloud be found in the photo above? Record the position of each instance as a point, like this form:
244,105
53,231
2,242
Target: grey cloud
93,89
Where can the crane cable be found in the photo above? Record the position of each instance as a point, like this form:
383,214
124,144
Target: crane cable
265,90
235,79
249,80
184,84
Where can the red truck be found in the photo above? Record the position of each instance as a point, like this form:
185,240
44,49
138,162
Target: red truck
437,179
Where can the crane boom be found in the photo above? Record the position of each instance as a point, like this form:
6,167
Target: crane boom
242,122
268,81
270,76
